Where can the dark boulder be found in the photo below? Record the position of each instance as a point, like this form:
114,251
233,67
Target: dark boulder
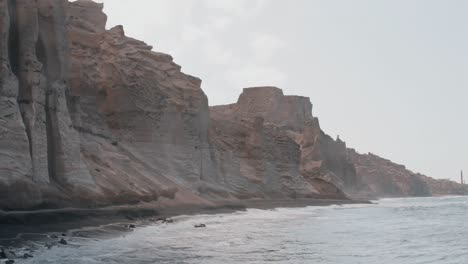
7,254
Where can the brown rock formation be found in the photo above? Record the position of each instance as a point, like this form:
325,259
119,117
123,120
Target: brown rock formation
142,121
91,117
320,161
156,118
383,178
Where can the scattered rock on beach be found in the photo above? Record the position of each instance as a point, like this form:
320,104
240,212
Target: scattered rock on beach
26,256
63,242
200,226
7,254
49,245
132,226
9,261
165,220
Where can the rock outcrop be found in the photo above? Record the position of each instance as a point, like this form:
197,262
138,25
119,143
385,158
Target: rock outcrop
319,161
39,146
90,117
143,123
384,178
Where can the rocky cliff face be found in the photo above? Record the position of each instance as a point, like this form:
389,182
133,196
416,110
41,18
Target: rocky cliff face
91,117
320,161
383,178
40,149
143,123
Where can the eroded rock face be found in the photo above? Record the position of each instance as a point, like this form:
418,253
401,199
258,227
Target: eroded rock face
15,160
384,178
146,129
320,160
91,117
143,122
39,140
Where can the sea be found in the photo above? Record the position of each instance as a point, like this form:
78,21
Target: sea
389,231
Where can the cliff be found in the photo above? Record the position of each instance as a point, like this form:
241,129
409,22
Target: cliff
320,161
40,149
90,117
384,178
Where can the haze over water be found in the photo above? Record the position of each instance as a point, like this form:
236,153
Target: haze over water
414,230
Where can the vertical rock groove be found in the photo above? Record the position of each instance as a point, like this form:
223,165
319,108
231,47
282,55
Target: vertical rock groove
13,38
16,187
65,165
41,57
31,96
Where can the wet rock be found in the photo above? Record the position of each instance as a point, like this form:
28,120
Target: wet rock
165,220
49,245
132,226
200,225
169,221
10,261
63,242
26,256
7,254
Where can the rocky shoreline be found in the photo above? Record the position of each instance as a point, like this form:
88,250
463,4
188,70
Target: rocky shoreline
91,118
61,220
25,233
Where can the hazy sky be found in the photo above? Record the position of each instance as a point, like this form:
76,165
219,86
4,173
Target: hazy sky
389,76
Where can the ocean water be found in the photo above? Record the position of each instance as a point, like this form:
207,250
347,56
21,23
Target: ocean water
414,230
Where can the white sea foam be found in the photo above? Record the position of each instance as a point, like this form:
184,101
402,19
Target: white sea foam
404,231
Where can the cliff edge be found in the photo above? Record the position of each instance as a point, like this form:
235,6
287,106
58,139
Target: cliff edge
90,117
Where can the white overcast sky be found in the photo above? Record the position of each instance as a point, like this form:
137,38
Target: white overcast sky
389,76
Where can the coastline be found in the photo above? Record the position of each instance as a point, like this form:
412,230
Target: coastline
40,222
288,235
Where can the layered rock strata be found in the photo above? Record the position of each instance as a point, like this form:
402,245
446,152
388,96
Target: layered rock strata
320,161
384,178
90,117
40,150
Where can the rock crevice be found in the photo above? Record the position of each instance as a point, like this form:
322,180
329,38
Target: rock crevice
34,83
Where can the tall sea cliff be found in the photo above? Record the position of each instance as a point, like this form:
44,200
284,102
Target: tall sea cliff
90,117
